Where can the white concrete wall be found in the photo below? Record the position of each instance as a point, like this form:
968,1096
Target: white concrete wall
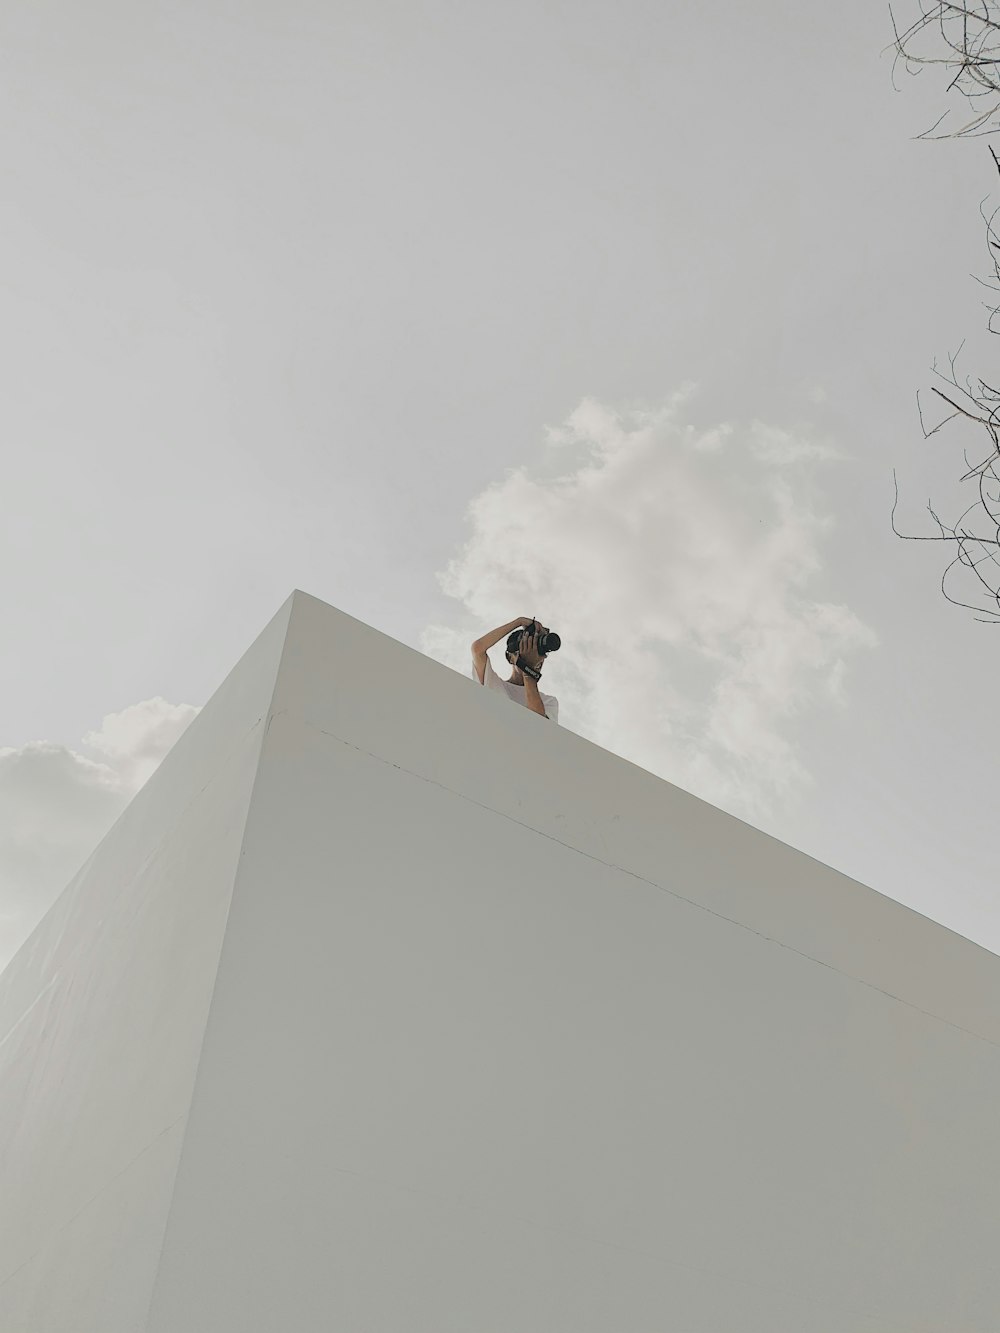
495,1031
511,1036
102,1014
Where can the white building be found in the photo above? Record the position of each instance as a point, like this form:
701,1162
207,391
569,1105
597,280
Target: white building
386,1007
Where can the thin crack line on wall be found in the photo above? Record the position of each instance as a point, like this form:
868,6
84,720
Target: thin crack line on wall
103,1190
661,888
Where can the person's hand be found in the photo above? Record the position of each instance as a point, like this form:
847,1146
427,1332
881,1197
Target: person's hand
528,649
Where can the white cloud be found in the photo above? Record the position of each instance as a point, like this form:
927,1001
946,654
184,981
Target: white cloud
57,804
136,739
771,445
675,563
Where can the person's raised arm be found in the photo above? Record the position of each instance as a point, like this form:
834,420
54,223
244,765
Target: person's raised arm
495,635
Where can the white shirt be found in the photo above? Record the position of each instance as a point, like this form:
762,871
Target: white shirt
516,692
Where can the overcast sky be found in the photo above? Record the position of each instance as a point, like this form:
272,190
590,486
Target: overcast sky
612,314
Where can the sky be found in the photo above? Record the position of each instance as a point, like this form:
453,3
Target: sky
609,314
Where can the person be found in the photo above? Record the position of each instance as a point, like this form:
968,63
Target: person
522,689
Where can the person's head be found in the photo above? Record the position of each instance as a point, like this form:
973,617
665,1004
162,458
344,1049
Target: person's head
517,677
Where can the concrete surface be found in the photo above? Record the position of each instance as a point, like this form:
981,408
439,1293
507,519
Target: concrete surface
386,1007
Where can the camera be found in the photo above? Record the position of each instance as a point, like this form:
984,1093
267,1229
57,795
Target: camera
545,643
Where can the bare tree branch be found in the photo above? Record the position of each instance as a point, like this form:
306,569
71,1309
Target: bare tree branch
970,34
